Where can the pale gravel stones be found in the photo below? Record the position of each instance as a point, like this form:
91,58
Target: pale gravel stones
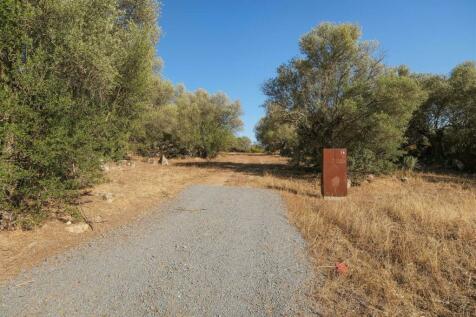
213,251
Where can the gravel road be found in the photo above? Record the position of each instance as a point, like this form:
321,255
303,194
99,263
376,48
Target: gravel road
212,251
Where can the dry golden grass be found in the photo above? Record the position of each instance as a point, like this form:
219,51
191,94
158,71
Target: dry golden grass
410,247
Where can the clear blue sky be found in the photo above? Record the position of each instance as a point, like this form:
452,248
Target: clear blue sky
234,46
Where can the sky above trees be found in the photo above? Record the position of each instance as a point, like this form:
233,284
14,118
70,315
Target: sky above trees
234,46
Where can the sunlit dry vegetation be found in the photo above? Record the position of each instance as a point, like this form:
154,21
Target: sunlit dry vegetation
410,246
81,90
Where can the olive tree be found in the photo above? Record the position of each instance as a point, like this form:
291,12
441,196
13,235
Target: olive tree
73,77
187,123
443,129
338,93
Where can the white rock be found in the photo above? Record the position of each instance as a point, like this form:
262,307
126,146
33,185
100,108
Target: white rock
109,197
78,228
164,161
97,219
131,163
349,183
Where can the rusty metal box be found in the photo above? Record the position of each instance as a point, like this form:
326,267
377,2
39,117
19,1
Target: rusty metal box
334,173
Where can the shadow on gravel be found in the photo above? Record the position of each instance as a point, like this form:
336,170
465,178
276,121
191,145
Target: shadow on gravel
258,169
286,177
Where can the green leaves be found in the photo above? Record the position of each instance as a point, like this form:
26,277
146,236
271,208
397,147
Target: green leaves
443,129
339,94
72,102
184,123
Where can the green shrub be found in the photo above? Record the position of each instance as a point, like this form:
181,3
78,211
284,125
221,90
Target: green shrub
73,77
409,163
443,129
190,123
256,148
240,144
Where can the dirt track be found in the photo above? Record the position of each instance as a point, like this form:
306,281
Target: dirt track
214,250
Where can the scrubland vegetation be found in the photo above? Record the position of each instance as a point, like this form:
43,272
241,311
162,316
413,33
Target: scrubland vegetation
80,86
410,244
339,93
191,124
74,76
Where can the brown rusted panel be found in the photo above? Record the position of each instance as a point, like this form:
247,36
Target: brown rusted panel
334,173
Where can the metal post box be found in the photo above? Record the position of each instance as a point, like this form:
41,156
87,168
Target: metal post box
334,173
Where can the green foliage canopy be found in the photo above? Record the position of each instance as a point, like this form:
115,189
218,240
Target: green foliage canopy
184,123
241,144
73,76
443,129
339,94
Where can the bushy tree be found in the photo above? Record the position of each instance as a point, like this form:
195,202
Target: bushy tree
73,76
276,134
184,123
241,144
443,129
339,94
155,132
462,130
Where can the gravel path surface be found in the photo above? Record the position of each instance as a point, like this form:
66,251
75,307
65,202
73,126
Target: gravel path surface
213,251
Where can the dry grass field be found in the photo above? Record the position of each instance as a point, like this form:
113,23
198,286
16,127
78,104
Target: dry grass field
410,246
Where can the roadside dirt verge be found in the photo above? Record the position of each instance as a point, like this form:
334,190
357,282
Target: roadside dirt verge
211,251
131,190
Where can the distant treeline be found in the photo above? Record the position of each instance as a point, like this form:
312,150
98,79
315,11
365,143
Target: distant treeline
339,93
180,123
79,85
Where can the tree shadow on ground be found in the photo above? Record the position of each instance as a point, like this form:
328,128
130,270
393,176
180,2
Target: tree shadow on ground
284,171
452,178
278,171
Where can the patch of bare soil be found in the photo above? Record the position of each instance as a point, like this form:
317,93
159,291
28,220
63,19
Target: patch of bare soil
132,189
